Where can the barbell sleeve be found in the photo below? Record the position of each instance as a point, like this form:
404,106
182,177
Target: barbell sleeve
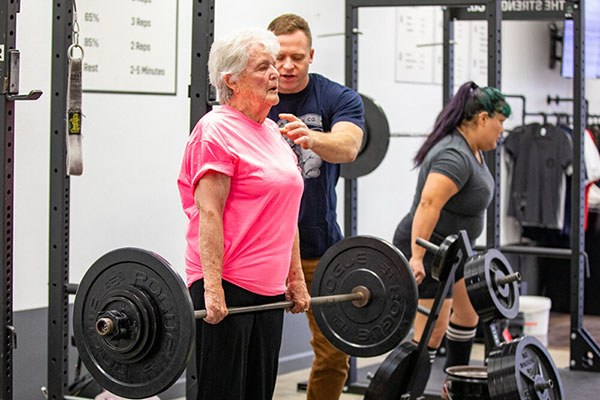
541,386
427,245
72,288
356,296
503,280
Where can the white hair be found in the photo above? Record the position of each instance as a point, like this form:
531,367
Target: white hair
229,55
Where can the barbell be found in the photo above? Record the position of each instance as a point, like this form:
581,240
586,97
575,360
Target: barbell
134,322
111,322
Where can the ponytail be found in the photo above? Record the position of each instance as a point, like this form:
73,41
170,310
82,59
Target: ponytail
468,101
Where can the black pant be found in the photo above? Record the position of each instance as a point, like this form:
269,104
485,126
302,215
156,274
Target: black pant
237,359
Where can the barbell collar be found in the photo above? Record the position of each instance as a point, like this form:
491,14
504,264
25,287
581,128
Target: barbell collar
365,296
503,280
111,323
360,293
104,326
428,245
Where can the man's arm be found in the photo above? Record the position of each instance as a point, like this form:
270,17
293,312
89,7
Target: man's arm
341,145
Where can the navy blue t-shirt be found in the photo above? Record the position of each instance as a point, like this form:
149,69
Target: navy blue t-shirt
320,105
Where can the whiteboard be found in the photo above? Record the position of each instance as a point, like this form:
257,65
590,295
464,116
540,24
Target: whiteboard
419,50
130,46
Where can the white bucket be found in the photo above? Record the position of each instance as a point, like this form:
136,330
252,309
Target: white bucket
536,315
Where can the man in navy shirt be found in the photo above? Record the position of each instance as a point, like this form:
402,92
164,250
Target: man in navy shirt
323,122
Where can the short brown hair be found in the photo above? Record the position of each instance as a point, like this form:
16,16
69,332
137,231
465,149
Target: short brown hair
290,23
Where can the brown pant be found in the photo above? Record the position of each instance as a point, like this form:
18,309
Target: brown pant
330,366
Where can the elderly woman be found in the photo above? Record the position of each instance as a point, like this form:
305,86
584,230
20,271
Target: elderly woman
240,188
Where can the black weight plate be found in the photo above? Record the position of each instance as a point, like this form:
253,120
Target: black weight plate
497,367
522,371
393,376
376,138
491,300
386,319
445,257
148,359
501,382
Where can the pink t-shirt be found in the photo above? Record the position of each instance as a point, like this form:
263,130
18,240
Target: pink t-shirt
261,211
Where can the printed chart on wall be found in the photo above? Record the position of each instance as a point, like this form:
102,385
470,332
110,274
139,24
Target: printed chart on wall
419,51
130,46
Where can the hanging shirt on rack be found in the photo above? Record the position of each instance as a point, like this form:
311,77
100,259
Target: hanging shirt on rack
541,156
592,158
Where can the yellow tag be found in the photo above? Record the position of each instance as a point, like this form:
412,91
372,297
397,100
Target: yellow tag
74,123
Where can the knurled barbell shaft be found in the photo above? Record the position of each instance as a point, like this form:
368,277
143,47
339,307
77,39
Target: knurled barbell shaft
315,301
503,280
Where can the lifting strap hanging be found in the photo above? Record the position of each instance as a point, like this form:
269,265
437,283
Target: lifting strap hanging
74,95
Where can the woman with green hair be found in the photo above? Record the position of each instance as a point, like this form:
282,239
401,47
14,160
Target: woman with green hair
454,189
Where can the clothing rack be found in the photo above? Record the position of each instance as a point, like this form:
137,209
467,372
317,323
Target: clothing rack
557,99
545,115
592,117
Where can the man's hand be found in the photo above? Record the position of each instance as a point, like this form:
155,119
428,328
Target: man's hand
298,132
